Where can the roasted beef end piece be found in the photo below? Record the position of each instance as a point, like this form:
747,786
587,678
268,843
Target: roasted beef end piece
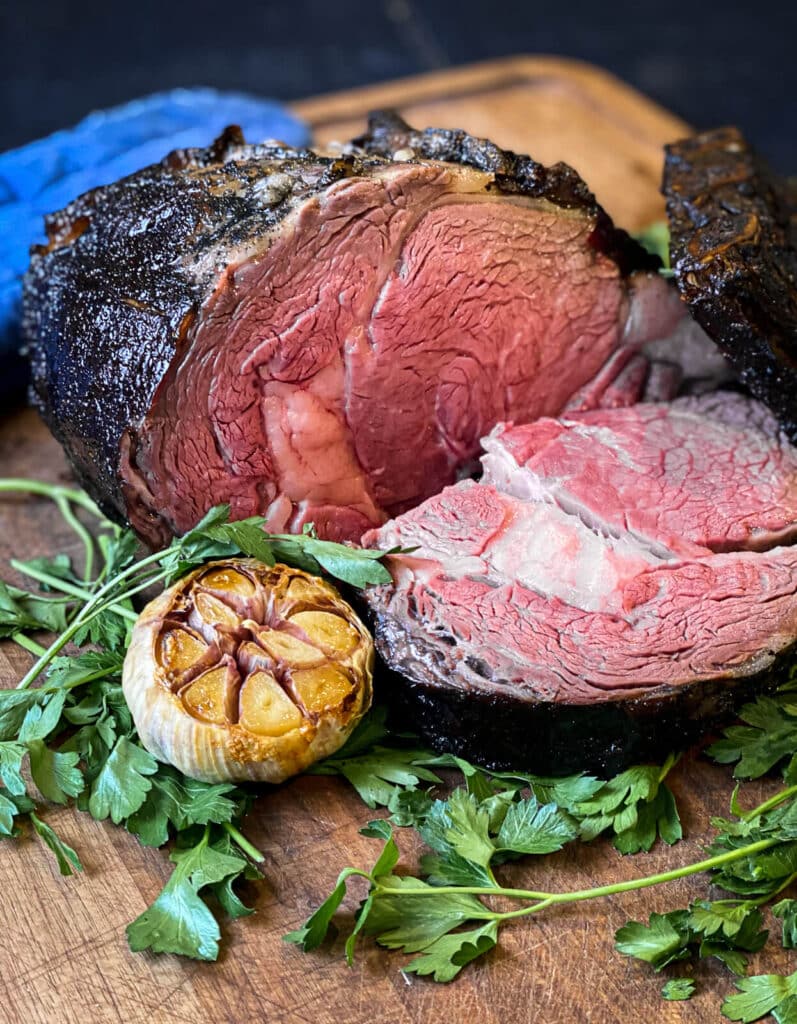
615,583
733,227
324,338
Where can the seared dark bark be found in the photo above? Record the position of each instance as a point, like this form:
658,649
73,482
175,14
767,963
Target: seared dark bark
733,227
389,135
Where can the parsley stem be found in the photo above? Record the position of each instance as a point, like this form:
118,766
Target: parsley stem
28,644
12,485
81,532
550,898
240,840
94,607
767,805
66,587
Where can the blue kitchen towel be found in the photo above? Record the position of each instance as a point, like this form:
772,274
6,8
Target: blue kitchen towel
47,174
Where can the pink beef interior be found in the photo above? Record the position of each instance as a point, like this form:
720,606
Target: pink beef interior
605,554
348,372
681,478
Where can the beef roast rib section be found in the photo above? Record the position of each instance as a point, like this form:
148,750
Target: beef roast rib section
320,338
615,582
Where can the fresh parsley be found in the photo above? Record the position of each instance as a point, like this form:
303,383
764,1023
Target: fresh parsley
179,920
678,989
763,994
726,930
68,719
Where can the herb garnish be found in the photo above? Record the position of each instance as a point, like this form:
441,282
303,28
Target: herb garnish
77,733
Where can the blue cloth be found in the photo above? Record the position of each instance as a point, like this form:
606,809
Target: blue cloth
47,174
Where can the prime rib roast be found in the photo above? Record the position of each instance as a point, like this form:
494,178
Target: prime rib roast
325,339
332,339
617,573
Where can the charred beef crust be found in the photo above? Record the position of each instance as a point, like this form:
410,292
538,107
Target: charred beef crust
114,295
733,227
505,732
389,136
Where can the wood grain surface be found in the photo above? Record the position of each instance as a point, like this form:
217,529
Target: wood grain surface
63,955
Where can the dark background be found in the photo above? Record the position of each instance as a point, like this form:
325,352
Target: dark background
710,62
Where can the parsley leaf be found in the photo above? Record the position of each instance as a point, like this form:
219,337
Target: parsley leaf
678,989
14,706
531,828
408,914
636,806
216,537
119,550
177,922
768,738
445,957
409,807
378,774
55,774
465,826
229,899
42,719
8,811
243,537
122,785
59,566
22,610
659,943
313,932
723,929
763,994
567,792
11,755
65,856
83,668
359,567
204,865
177,800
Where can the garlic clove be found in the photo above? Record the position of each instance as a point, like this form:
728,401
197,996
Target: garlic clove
332,632
225,578
179,649
322,688
265,708
215,612
209,696
283,646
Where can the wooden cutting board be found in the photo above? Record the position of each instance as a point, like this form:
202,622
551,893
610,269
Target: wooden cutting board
63,955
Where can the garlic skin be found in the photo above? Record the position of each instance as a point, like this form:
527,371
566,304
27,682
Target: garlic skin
223,684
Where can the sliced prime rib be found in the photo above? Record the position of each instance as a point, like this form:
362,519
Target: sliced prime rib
733,230
327,338
615,580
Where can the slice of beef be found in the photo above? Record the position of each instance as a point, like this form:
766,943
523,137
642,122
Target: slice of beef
612,585
733,227
323,338
656,473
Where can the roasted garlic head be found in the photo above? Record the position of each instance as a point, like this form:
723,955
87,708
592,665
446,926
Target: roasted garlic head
243,671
